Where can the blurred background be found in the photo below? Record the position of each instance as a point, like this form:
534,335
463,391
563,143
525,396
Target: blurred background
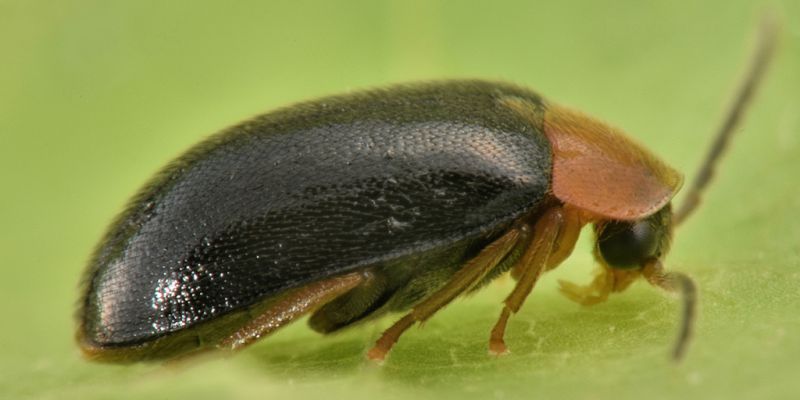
95,96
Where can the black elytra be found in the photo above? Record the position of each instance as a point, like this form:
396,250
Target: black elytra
405,181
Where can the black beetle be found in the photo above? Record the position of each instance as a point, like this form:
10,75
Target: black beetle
380,201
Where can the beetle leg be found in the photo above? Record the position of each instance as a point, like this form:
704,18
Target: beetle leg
564,244
291,306
466,277
606,281
352,306
595,292
534,262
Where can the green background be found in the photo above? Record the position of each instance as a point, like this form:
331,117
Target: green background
96,95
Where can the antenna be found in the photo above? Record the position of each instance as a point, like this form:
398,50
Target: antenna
767,37
676,282
679,282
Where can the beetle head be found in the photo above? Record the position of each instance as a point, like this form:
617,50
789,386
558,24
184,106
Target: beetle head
633,244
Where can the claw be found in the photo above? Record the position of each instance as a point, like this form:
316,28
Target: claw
587,295
377,355
497,348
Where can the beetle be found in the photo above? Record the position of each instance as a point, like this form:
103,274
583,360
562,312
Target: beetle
390,200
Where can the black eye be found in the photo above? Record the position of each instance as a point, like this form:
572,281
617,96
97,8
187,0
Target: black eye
630,244
627,244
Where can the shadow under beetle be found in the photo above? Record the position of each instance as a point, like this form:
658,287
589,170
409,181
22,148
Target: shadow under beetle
354,206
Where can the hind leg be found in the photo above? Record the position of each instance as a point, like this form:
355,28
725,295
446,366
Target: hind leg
351,306
290,306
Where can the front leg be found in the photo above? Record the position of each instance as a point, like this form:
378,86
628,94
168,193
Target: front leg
606,281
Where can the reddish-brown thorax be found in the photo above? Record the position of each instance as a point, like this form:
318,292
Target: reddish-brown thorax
596,168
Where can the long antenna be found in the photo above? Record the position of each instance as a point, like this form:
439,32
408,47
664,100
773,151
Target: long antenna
765,47
682,283
688,290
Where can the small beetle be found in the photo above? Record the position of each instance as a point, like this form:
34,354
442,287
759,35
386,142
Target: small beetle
354,206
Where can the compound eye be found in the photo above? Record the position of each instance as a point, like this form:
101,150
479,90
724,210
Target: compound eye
627,245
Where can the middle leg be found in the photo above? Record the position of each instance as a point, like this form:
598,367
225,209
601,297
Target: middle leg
531,265
467,277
